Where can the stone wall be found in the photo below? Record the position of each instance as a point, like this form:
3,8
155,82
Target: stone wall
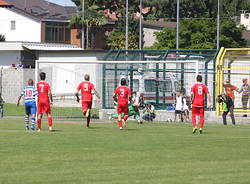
12,82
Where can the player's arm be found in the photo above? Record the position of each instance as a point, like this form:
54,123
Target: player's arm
76,93
18,101
209,100
115,97
19,98
192,96
50,97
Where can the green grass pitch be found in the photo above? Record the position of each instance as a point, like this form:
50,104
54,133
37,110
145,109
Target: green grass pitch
151,153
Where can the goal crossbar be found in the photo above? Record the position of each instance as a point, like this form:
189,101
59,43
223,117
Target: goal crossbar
79,60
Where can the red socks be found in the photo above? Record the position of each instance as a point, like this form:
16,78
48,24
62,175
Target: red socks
39,123
201,121
50,121
120,123
194,120
125,117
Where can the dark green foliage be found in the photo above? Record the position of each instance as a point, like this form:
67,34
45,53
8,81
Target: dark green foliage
201,34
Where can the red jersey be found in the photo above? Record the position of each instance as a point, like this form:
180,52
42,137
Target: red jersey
43,89
86,88
229,89
199,90
123,92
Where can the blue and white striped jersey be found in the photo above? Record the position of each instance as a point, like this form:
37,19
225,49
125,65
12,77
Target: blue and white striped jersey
29,93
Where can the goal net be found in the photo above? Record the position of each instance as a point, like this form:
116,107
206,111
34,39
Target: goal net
156,81
233,68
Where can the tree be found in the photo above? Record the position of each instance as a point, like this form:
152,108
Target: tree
166,9
117,38
2,38
93,20
201,34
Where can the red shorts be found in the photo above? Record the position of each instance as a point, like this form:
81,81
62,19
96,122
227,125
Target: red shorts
122,108
198,111
43,107
86,105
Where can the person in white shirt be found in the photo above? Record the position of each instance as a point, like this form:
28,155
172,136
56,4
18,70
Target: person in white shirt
185,112
178,107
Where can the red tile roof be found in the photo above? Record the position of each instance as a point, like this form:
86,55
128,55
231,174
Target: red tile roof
4,4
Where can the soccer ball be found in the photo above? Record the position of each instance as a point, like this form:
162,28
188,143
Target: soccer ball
169,120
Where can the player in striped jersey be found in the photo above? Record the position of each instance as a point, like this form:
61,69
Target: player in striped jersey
29,93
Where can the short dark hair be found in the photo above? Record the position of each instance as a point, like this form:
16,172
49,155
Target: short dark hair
86,77
199,78
30,82
123,82
42,75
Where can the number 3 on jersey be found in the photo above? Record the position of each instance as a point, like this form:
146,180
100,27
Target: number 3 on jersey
200,91
122,92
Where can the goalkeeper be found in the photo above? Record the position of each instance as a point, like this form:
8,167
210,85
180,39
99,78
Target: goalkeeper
227,106
131,112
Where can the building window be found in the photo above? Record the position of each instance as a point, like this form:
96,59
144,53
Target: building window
57,32
12,25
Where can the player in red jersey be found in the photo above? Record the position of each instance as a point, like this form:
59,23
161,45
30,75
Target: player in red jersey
86,88
44,101
198,92
122,94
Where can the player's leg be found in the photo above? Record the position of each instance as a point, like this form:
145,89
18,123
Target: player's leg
47,110
119,111
88,113
39,121
175,115
40,111
125,118
194,114
202,118
33,116
244,100
224,117
231,110
49,121
26,118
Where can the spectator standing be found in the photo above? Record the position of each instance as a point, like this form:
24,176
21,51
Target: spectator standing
245,90
178,107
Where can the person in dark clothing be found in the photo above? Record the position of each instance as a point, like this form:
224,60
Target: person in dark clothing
227,106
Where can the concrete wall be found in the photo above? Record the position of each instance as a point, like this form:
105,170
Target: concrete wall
26,29
12,82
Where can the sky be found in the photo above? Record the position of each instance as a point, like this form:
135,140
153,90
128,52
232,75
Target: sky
62,2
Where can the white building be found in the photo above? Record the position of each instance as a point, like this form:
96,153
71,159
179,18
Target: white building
35,21
152,27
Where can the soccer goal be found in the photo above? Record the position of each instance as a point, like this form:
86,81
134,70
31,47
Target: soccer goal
233,67
156,81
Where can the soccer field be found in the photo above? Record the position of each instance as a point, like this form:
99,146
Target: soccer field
151,153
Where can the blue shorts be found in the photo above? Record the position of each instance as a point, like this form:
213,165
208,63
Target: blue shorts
30,108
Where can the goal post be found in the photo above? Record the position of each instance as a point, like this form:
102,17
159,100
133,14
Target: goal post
233,65
156,80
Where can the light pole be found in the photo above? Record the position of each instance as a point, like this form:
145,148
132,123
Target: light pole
140,27
218,26
177,24
126,27
83,34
